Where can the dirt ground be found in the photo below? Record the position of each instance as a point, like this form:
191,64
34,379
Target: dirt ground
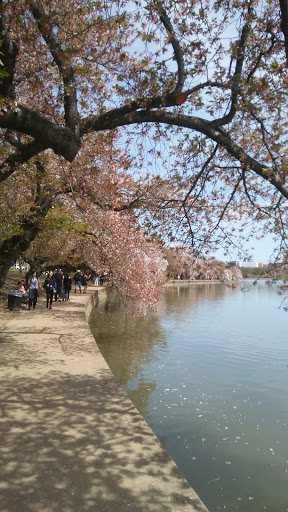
71,440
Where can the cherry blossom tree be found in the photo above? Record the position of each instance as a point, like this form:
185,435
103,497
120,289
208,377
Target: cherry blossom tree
187,265
114,246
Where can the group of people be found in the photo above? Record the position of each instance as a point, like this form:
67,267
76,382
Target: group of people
56,285
60,285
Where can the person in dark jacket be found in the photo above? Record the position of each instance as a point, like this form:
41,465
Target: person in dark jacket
67,283
77,280
50,287
59,284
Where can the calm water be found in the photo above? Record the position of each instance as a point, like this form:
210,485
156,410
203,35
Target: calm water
209,373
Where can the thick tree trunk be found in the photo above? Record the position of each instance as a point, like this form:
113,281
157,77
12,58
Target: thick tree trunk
284,24
13,247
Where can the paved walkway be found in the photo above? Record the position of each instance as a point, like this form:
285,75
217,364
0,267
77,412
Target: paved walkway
71,440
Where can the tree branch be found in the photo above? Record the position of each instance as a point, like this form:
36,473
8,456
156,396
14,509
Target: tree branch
177,50
206,128
200,174
24,153
25,120
118,115
58,50
237,75
63,141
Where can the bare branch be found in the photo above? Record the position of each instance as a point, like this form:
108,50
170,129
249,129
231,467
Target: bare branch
260,56
198,176
264,132
221,216
237,74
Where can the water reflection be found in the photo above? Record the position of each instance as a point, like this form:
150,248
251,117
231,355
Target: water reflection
183,296
128,343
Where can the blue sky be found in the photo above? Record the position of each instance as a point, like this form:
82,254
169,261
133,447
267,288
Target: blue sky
261,253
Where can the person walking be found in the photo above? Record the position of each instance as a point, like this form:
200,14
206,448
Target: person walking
50,286
85,282
77,280
67,283
33,290
59,284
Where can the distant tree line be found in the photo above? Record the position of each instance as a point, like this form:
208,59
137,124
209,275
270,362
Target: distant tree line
184,264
